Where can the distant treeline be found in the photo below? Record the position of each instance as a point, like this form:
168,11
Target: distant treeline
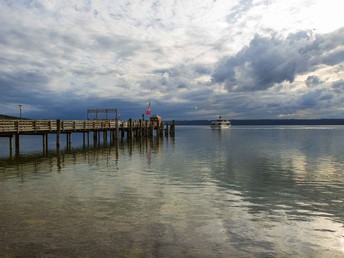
268,122
8,117
247,122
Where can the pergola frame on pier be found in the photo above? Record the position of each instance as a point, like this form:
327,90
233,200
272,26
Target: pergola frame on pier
102,111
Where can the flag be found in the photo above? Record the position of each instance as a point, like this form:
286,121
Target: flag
148,111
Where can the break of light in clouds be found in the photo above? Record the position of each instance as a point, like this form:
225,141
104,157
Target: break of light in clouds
192,59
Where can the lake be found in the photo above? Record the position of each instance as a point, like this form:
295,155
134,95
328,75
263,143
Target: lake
249,191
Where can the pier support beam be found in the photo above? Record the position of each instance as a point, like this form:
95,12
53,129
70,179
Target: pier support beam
45,142
69,140
130,129
172,129
166,130
105,137
146,128
117,126
95,138
17,143
58,132
10,139
151,129
83,139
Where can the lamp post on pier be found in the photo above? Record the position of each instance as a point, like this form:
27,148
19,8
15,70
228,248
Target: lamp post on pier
20,110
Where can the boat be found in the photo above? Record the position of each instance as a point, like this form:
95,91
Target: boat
220,123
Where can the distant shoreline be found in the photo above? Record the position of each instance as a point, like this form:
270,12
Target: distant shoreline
267,122
325,121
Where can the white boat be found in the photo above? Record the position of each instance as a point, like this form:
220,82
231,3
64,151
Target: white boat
220,123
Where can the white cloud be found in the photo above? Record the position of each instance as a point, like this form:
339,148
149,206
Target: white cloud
116,50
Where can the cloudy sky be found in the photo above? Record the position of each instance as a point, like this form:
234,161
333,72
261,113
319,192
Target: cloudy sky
192,59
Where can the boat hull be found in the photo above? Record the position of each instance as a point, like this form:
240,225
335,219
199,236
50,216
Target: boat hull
220,127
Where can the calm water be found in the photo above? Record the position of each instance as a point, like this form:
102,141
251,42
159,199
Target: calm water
244,192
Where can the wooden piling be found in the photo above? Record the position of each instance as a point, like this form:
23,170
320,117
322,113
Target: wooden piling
166,130
45,142
95,133
17,143
58,132
151,129
105,137
161,131
10,139
130,129
172,128
83,138
69,138
146,128
158,129
117,127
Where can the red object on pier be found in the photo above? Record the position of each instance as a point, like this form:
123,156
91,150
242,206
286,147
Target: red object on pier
148,111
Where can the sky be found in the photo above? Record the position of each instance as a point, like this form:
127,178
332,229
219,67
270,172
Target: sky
191,59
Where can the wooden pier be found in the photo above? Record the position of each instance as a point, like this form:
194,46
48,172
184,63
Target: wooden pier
116,128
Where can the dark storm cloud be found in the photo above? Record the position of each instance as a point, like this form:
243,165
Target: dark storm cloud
21,84
315,98
270,60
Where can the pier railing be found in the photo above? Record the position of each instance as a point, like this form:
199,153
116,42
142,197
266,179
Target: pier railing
44,126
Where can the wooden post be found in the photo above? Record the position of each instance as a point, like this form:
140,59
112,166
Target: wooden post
95,133
146,128
58,132
158,129
17,143
161,131
141,128
105,136
45,142
166,130
112,136
69,138
83,138
10,139
151,132
117,127
130,129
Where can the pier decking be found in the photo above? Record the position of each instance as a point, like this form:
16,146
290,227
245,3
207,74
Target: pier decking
116,128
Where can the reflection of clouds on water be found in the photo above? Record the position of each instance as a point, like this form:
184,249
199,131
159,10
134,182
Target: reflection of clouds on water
237,192
276,173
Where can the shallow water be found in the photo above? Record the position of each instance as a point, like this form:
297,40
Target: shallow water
267,191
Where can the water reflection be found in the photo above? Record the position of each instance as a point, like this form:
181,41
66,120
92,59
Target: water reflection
291,182
259,193
57,159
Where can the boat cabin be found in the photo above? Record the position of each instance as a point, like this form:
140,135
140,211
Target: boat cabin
156,120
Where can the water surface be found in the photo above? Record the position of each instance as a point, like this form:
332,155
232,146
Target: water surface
267,191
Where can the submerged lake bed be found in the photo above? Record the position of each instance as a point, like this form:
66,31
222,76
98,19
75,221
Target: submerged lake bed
248,191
